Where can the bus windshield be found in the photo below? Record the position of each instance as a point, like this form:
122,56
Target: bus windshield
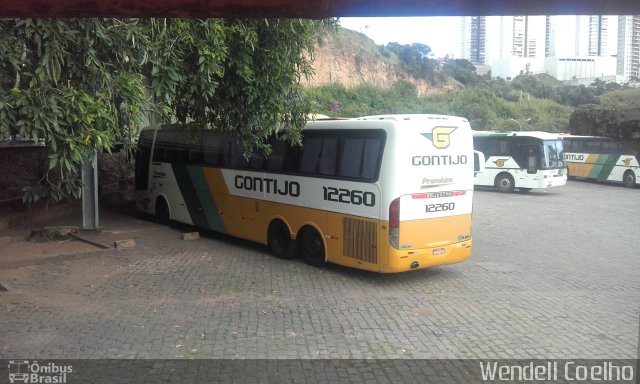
553,154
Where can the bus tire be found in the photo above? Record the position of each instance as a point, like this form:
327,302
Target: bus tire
629,179
504,182
280,242
312,247
163,217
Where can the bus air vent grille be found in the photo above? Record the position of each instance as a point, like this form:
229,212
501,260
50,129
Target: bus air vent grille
360,239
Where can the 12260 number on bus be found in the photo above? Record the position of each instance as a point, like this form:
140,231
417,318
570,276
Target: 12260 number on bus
440,207
344,195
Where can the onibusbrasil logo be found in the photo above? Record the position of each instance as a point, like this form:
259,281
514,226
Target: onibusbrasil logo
439,136
25,371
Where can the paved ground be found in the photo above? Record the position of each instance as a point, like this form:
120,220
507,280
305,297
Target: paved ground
553,275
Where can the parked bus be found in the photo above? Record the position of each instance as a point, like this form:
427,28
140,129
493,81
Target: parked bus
380,193
523,160
602,158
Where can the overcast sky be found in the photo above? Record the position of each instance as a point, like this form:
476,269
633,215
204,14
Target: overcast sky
442,34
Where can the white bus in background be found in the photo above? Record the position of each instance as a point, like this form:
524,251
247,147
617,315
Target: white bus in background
522,160
603,159
381,193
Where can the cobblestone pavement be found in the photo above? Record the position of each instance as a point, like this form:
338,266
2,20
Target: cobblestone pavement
553,274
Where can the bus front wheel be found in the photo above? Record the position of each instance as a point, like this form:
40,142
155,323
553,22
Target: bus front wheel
162,212
280,242
629,179
505,183
312,247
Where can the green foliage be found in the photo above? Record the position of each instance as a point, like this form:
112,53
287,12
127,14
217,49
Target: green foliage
461,70
75,84
240,76
540,85
547,87
414,59
483,109
628,98
79,84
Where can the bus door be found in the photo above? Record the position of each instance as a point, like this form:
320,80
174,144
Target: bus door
532,159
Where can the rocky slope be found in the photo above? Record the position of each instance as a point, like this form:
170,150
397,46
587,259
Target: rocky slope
351,58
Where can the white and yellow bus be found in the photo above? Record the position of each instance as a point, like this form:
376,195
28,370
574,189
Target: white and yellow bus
380,193
523,160
602,159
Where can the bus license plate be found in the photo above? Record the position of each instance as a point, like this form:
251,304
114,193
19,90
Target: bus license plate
438,251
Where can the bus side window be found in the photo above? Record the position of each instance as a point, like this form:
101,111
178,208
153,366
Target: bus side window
504,147
593,146
491,147
328,157
579,145
609,146
256,162
163,151
372,158
214,149
567,145
310,154
351,157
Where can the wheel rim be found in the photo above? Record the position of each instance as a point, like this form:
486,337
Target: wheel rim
630,179
313,245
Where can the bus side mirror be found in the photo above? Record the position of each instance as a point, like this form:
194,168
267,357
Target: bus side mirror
478,162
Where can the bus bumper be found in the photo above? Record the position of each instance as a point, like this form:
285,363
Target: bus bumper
406,260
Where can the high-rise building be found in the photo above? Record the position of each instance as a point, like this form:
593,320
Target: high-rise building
628,63
549,36
598,35
474,39
490,38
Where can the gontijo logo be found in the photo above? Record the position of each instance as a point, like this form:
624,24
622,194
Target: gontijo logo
500,162
439,136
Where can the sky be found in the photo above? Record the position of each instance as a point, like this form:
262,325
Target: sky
442,34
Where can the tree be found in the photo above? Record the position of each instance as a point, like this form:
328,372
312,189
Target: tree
414,59
80,84
461,70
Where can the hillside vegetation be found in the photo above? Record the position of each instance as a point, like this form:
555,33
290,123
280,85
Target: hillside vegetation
354,77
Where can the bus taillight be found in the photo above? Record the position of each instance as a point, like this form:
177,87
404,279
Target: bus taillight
394,223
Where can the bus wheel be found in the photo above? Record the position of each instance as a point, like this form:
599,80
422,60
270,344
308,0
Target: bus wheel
629,179
280,242
162,212
504,183
312,247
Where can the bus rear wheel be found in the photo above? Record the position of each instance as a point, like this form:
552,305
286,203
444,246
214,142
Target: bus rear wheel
312,247
280,242
505,183
629,179
162,212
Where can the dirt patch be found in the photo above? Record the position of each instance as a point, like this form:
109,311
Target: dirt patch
16,251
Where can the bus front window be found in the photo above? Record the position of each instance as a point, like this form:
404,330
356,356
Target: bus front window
553,154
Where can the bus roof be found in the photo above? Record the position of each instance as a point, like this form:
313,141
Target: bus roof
535,134
410,116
